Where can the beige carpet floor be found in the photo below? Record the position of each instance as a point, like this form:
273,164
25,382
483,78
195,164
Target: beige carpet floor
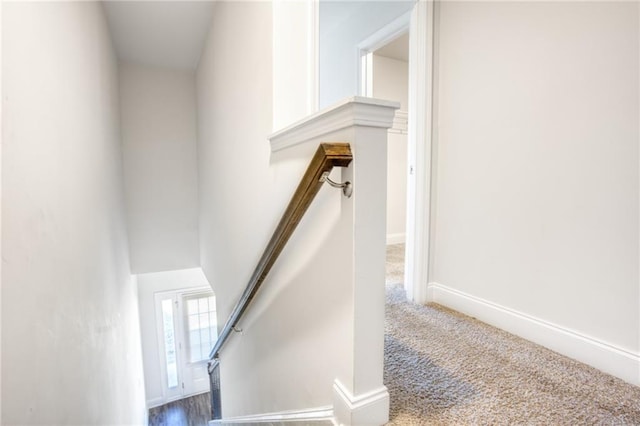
445,368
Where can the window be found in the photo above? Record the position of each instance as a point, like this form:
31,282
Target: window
202,330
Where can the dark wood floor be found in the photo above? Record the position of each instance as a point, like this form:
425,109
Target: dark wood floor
192,411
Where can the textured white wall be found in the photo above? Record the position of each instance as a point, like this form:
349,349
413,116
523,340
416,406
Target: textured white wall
238,171
343,25
148,286
160,167
390,81
70,335
537,161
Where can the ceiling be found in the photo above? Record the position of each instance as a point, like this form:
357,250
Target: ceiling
396,49
167,34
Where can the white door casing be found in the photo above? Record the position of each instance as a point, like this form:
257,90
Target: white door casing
420,124
420,23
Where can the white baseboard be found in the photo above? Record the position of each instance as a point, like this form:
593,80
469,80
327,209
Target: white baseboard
155,402
396,238
596,353
367,409
308,416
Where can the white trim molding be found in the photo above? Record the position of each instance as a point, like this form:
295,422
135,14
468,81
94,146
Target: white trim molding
400,123
596,353
421,46
359,397
369,408
312,415
386,34
354,111
366,47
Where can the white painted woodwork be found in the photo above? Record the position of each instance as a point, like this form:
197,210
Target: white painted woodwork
361,229
311,416
350,112
598,353
417,255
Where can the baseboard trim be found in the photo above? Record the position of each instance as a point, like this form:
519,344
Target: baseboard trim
396,238
159,401
369,408
321,414
596,353
155,402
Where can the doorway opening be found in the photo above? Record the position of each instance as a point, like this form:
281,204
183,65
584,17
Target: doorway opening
388,78
418,24
187,329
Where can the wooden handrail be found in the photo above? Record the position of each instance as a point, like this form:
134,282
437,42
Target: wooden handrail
328,156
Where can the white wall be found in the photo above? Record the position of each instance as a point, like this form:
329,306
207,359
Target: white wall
70,336
391,81
234,119
158,110
148,286
343,25
254,187
537,169
294,60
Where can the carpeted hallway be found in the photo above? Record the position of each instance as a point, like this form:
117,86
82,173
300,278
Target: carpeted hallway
444,368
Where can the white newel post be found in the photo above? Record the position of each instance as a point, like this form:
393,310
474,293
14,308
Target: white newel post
360,397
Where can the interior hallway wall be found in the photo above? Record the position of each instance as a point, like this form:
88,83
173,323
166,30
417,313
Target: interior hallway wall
158,110
70,333
391,82
537,189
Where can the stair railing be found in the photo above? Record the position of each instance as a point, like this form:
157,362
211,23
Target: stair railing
327,156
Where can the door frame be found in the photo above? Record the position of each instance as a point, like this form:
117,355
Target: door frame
177,296
420,24
368,46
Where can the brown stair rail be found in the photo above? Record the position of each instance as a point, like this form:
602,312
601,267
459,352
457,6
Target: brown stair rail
327,156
